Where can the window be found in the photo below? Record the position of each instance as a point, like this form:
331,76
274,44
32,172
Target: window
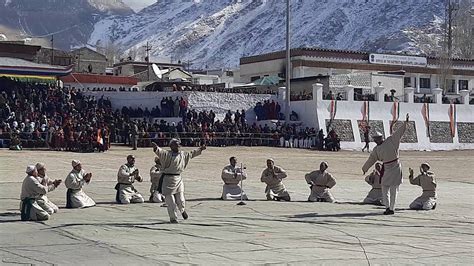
281,75
451,85
252,79
425,83
407,82
463,84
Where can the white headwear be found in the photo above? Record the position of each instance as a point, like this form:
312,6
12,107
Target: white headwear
175,141
39,166
377,134
30,169
75,163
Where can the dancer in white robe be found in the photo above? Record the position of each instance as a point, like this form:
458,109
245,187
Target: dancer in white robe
427,181
321,181
31,192
44,201
273,176
375,194
126,176
75,181
232,175
171,184
155,176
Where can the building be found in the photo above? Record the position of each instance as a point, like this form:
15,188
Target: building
21,69
54,57
142,70
94,82
89,61
18,50
421,73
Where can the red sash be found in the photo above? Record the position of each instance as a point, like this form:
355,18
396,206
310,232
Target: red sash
383,167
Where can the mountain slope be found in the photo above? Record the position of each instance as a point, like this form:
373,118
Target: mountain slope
71,20
217,33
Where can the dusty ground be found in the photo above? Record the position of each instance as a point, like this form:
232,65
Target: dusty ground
261,232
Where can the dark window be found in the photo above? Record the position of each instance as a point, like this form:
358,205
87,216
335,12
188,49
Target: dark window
451,85
425,83
281,75
407,82
254,78
463,84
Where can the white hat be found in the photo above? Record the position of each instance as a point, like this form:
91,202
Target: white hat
39,166
377,134
270,159
75,163
175,141
30,169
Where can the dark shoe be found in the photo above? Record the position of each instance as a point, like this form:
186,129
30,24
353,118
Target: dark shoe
173,221
151,198
390,212
386,212
185,215
434,206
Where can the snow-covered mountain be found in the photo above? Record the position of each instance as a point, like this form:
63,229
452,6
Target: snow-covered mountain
72,21
217,33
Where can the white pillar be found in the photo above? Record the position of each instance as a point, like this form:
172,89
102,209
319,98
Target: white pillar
417,83
409,93
464,96
282,94
438,97
349,92
379,91
456,85
317,92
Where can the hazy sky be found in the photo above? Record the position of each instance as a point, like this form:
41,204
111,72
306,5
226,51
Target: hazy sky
138,4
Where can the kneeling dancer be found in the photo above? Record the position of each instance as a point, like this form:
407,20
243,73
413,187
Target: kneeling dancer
426,180
31,207
321,181
126,176
273,176
77,178
155,176
374,179
232,175
171,183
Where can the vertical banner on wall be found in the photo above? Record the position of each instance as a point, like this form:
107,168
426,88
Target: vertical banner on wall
425,112
452,119
332,112
395,111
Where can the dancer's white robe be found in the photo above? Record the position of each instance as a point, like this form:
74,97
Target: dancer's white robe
75,181
321,185
427,200
125,189
231,176
44,200
273,179
375,194
155,176
173,187
33,189
388,153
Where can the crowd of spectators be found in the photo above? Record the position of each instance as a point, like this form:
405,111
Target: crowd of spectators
268,110
208,88
63,119
301,96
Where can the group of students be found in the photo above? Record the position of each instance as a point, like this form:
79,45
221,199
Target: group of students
167,184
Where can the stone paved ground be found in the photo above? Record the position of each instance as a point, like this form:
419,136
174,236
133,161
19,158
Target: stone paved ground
261,232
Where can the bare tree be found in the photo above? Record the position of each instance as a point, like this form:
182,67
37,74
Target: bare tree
463,29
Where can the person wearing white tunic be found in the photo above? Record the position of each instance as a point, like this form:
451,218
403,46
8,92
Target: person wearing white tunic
321,181
155,176
49,206
388,152
232,175
375,194
171,184
273,176
426,180
76,179
31,192
126,176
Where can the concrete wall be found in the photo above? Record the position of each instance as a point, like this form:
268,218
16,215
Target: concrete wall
220,103
380,111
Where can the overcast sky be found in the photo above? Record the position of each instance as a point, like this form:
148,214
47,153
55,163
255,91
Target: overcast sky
138,4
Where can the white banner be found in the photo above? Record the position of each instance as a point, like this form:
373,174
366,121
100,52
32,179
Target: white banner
401,60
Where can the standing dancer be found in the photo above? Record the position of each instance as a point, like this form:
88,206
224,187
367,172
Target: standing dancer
171,183
387,151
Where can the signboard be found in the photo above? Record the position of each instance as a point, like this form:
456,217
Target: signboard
399,60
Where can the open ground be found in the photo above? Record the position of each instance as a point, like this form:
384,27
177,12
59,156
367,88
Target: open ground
221,232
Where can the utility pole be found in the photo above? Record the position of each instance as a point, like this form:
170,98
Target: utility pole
288,62
148,49
52,49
